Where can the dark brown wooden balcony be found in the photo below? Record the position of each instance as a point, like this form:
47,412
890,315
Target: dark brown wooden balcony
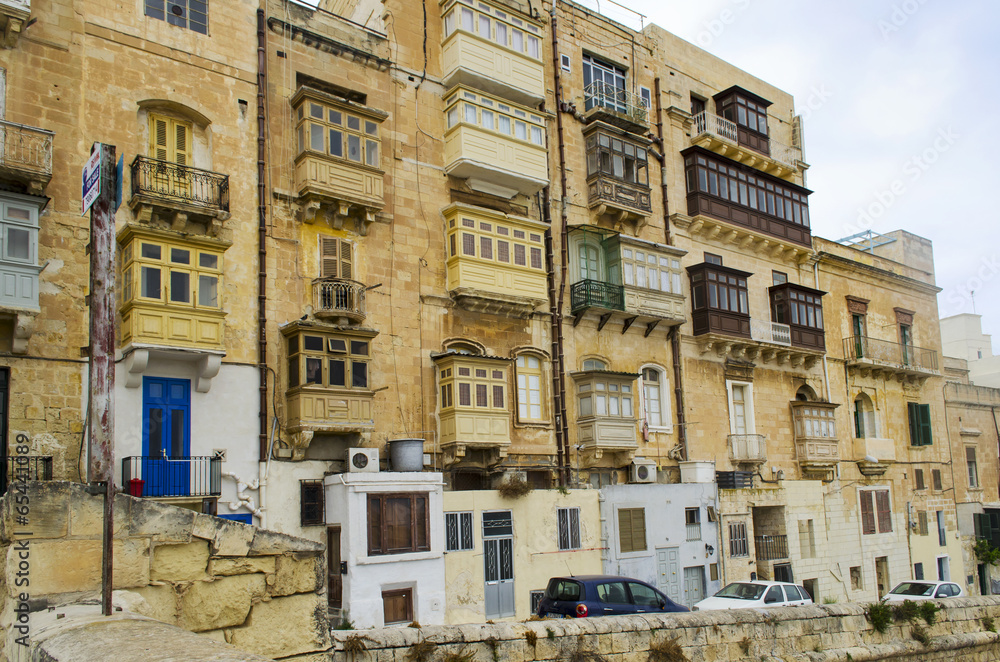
178,193
339,299
801,309
25,156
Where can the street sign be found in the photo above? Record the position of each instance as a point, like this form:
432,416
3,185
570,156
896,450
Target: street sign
91,178
119,173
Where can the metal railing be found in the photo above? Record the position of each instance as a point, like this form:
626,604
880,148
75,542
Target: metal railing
605,95
15,468
339,296
772,332
747,447
893,353
180,183
720,127
195,476
734,480
595,293
26,147
771,548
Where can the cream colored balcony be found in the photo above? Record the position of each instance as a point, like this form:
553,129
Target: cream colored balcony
338,168
495,261
13,16
493,50
816,445
473,408
722,137
606,420
174,326
25,155
497,146
748,448
339,300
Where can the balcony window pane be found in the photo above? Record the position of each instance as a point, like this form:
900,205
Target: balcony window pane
354,147
484,26
519,255
602,405
353,122
467,19
488,120
481,396
335,117
449,23
498,399
518,40
470,113
613,406
371,153
316,137
208,291
501,33
468,244
520,130
486,248
536,135
504,125
302,139
371,128
150,251
359,374
316,111
180,286
586,407
338,372
18,244
180,256
359,347
314,370
208,261
150,286
532,46
503,251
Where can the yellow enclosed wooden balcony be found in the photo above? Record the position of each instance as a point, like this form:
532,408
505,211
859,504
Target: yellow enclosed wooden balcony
473,407
490,48
495,260
173,326
499,147
338,166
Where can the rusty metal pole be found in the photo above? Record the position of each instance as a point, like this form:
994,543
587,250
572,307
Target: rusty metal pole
100,448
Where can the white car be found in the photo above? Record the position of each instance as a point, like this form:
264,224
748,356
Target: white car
747,595
919,589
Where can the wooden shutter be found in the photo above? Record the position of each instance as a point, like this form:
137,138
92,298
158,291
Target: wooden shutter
924,419
911,411
867,513
158,143
375,525
884,514
181,136
169,140
335,258
632,529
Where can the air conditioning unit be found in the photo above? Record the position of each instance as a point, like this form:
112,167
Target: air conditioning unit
362,460
642,471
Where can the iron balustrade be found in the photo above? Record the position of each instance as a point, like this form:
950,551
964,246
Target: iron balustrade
195,476
596,294
894,353
339,295
26,147
180,183
709,123
17,468
747,447
771,548
605,95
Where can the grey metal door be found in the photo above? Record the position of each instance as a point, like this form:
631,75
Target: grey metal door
668,577
498,559
694,585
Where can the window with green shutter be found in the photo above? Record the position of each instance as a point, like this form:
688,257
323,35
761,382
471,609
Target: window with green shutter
920,424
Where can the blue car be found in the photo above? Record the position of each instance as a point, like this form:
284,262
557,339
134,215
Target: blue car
602,595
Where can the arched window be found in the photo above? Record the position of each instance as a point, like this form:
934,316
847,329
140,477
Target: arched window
462,346
530,388
864,417
594,364
806,394
655,398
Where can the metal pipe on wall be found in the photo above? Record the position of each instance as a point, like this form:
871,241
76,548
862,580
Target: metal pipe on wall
262,232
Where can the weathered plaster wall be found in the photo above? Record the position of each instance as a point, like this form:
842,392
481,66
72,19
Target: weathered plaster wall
261,591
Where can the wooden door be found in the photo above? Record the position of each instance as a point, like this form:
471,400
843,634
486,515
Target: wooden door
397,606
335,588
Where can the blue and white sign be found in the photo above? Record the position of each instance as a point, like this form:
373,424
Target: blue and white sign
91,178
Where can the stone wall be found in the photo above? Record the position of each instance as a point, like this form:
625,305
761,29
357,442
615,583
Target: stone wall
815,633
258,590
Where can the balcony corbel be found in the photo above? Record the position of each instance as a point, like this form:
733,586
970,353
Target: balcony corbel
726,234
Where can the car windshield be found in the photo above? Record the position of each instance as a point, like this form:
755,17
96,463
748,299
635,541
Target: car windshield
563,589
741,591
913,588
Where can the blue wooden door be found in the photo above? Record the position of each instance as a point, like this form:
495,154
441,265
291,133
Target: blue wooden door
166,436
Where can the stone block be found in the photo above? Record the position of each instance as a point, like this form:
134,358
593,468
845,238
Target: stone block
221,603
232,538
270,542
178,563
164,523
285,626
297,575
222,567
130,558
86,515
58,566
160,602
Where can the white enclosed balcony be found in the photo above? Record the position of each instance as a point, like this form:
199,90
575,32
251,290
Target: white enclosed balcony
771,332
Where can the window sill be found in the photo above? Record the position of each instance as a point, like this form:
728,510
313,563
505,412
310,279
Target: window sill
532,425
395,558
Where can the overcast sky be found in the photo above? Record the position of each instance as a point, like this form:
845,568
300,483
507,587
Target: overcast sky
901,106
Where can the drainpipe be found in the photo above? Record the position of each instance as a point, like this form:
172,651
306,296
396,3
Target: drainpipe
558,386
559,354
674,333
262,232
826,370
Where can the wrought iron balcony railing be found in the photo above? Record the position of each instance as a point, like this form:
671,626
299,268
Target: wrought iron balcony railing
772,332
24,468
709,123
180,184
339,297
748,448
858,348
26,148
197,476
596,294
604,95
771,548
